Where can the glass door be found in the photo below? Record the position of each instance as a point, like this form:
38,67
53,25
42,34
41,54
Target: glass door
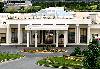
48,37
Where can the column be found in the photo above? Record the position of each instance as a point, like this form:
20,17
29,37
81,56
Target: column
88,34
8,34
77,34
27,38
65,38
56,38
19,34
35,38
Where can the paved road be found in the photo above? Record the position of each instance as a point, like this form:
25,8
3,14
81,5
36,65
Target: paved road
24,63
29,62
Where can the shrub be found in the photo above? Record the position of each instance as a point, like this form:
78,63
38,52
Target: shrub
91,55
56,62
76,52
8,56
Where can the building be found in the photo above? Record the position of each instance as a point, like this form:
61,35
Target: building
17,3
51,26
65,1
23,1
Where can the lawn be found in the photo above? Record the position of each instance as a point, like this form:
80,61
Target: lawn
61,62
6,57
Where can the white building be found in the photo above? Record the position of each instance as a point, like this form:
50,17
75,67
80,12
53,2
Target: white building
51,26
17,3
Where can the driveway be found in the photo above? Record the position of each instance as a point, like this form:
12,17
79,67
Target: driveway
24,63
29,62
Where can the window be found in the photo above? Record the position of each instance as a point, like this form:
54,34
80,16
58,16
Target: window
14,38
24,32
71,35
2,37
83,35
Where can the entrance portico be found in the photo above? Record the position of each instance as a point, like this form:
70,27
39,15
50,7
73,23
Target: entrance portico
47,27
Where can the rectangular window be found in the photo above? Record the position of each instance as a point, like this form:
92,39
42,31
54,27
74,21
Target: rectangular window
24,32
83,35
71,35
14,35
2,37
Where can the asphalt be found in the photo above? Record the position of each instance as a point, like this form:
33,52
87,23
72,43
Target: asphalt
29,61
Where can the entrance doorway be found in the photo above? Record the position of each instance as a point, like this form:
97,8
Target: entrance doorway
61,39
48,36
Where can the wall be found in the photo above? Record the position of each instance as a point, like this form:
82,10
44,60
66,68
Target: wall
3,30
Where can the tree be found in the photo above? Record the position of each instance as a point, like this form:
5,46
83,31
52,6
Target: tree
93,7
11,9
91,55
1,7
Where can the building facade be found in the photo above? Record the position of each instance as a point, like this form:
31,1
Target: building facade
51,26
17,3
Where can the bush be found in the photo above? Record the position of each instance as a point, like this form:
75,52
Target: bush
92,55
76,52
8,56
73,54
56,62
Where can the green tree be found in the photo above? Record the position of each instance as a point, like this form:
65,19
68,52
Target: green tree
32,9
11,9
92,55
1,7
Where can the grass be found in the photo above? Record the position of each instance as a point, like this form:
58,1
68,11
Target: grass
6,56
56,62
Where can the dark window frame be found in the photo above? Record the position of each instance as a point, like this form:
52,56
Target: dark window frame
71,36
24,33
3,38
83,38
14,35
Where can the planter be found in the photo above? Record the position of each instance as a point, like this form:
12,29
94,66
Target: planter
43,51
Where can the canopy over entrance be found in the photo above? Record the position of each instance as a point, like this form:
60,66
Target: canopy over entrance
46,27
